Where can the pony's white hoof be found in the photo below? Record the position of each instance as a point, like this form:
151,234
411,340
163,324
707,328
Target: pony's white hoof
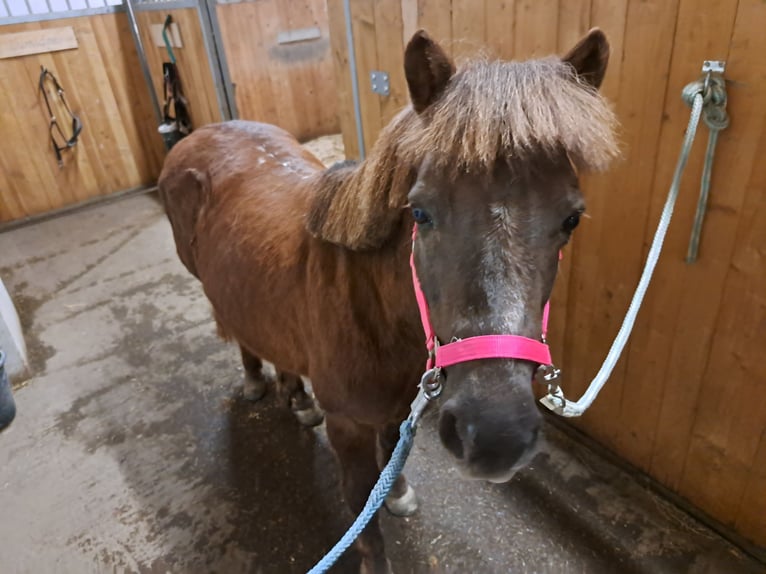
253,389
405,505
310,417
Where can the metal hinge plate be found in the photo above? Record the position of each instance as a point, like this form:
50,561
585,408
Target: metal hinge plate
379,82
713,66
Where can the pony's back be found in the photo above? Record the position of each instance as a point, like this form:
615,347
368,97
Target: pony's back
219,160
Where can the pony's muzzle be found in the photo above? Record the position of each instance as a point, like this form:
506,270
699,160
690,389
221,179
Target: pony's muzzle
490,441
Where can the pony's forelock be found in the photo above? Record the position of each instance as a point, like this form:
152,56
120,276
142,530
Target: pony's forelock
491,111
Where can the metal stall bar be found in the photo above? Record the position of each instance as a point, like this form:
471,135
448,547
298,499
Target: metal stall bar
211,34
142,59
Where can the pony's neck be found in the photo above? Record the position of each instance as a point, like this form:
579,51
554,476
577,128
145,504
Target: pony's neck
360,205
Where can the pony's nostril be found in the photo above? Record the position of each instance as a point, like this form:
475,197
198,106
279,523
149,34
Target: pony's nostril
449,435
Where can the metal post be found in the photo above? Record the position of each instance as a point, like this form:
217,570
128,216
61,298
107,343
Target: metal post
354,79
142,59
211,34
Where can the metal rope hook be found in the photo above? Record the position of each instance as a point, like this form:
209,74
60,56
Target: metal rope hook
713,89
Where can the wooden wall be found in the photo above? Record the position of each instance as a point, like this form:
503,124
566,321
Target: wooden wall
687,403
290,85
118,147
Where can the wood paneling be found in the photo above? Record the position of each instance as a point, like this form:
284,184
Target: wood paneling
687,403
290,85
118,148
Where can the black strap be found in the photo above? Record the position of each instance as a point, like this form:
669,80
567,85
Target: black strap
46,75
174,96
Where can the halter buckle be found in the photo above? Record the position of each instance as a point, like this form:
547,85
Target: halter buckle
547,375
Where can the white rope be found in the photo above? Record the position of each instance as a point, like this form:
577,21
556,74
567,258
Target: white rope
555,399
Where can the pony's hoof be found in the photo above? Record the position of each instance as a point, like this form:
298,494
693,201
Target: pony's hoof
253,389
310,417
405,505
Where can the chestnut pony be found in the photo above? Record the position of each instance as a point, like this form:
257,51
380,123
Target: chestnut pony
307,267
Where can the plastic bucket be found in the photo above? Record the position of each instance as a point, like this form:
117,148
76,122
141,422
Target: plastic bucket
7,404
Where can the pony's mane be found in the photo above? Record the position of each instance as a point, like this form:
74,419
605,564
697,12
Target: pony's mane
490,111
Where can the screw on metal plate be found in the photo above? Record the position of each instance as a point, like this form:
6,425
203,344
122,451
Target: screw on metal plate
713,66
379,81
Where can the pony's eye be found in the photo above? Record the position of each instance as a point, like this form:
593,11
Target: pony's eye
420,216
571,222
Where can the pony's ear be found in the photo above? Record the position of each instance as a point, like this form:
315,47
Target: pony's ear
590,57
427,68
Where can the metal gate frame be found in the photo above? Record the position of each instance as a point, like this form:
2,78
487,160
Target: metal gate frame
211,33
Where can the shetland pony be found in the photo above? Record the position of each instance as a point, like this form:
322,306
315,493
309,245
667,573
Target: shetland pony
307,267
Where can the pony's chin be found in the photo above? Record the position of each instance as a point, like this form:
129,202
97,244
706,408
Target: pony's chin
497,478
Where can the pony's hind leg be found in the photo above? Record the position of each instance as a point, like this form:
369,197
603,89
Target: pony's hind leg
254,383
402,500
303,405
355,445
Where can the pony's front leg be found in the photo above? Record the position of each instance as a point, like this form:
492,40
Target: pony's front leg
402,500
355,445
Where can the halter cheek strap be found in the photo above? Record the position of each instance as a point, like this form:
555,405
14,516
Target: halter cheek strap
482,346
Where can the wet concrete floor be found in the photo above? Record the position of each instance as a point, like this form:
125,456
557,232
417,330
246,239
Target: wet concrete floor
133,450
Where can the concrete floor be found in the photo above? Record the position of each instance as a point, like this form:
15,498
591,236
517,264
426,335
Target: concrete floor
134,451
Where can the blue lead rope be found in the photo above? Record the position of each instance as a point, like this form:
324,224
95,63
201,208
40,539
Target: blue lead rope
377,496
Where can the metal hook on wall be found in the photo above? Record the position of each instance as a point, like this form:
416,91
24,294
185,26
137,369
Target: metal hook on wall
712,86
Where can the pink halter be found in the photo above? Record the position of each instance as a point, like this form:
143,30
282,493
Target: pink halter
482,346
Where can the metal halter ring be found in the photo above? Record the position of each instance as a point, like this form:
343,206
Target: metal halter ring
431,383
547,374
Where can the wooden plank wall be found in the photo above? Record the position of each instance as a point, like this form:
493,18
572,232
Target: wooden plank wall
687,403
118,147
290,85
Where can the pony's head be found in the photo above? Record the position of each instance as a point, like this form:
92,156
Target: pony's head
495,198
486,161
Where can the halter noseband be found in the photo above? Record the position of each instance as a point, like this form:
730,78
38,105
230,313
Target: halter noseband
479,347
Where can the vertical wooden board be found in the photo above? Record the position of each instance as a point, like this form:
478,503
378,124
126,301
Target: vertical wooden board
307,67
287,84
574,22
252,87
536,28
388,33
654,335
24,145
469,32
752,506
570,30
435,16
363,24
105,138
92,172
598,189
322,73
611,16
295,82
731,410
500,18
610,244
700,286
409,11
345,101
134,107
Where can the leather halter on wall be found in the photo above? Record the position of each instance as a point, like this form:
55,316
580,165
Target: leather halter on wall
54,128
